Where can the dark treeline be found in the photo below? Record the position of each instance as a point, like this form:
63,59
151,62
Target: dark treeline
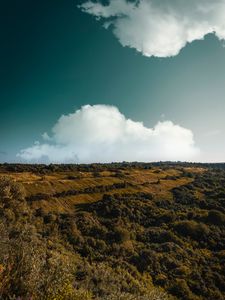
44,169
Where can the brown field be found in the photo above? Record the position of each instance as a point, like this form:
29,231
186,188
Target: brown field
153,181
117,231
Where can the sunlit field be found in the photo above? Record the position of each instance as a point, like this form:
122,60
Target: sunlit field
115,231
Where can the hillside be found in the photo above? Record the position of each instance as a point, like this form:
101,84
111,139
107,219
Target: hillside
113,231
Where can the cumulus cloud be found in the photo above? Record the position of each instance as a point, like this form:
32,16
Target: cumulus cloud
157,27
101,133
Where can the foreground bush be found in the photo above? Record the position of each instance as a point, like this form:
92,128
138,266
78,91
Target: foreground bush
33,267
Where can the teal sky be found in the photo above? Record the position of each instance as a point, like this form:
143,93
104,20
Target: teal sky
55,58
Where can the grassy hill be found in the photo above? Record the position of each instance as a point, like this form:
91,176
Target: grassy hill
112,231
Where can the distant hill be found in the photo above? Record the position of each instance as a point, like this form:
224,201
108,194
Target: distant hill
112,231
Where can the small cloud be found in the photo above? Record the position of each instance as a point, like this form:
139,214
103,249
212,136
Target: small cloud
101,133
160,28
46,137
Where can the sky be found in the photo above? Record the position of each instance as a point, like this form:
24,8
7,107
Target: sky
102,81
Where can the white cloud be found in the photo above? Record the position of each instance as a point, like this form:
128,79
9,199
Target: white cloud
100,133
157,27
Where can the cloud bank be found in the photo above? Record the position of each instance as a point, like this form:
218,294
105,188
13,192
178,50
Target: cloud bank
160,28
101,133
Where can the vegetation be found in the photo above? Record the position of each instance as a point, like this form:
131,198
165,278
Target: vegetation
112,231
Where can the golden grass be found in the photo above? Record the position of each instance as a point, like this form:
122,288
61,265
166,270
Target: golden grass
139,180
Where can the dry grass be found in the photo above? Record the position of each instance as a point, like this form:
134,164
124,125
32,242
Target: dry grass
153,181
53,247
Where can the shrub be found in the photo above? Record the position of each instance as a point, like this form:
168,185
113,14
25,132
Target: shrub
10,190
121,234
216,217
191,228
181,290
13,206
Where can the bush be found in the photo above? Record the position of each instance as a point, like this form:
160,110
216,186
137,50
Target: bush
181,290
216,217
10,190
191,228
121,234
13,206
